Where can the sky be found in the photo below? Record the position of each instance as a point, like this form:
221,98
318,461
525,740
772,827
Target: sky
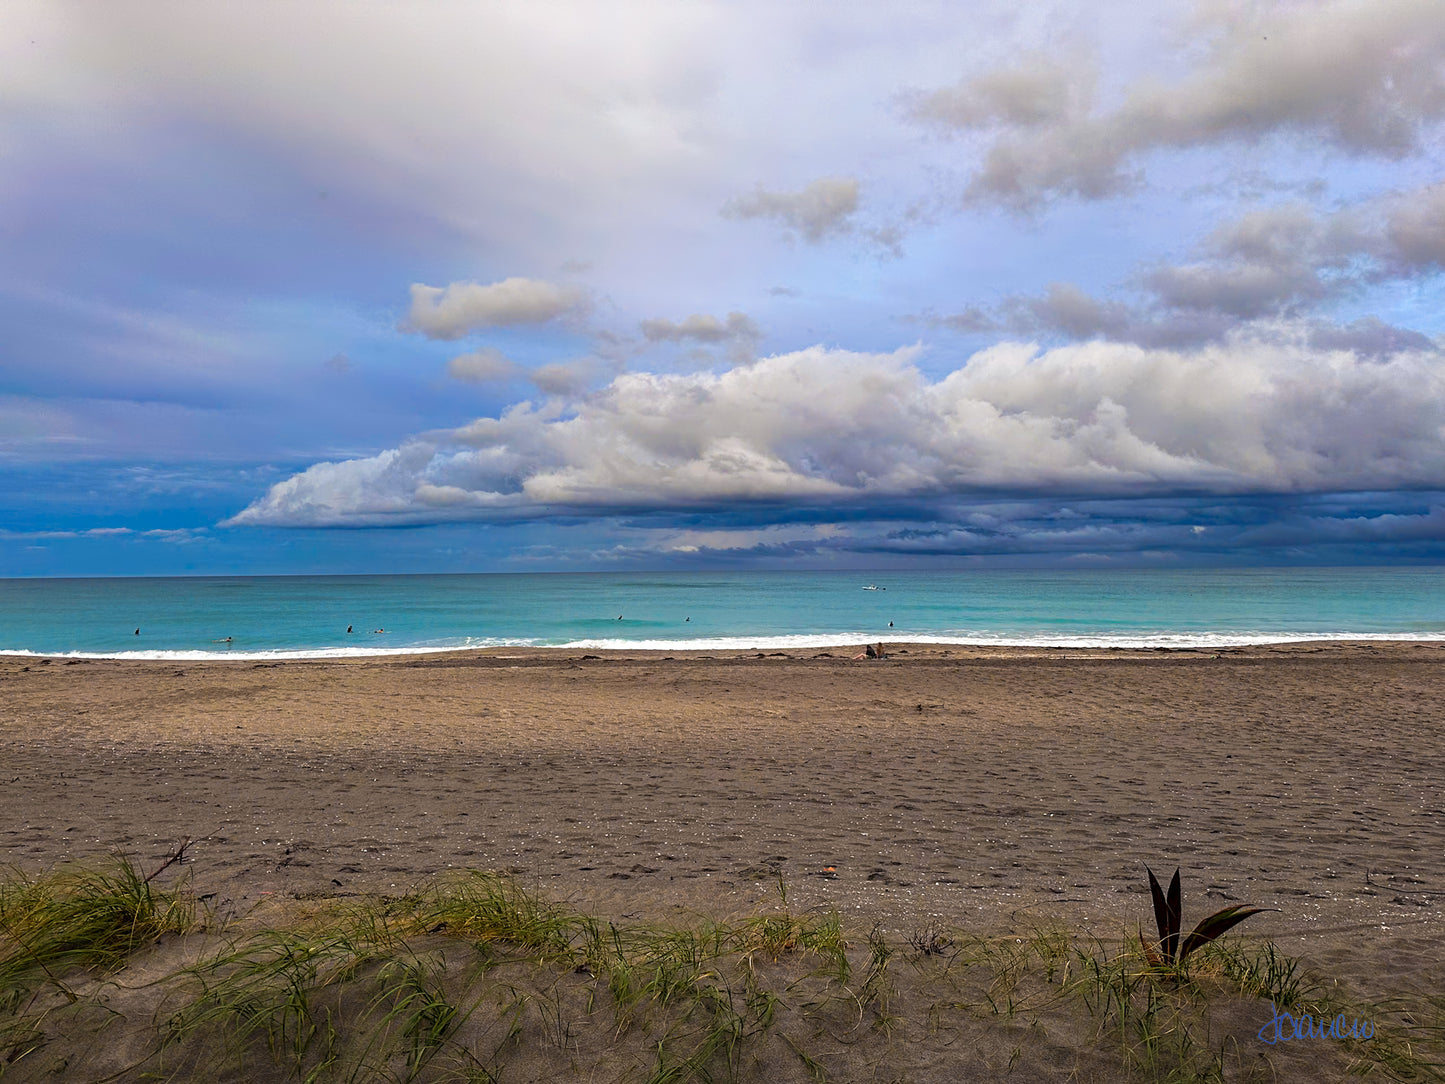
467,287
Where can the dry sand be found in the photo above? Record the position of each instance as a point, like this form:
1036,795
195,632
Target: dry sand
982,789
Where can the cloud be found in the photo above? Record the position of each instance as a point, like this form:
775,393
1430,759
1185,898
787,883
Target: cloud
1130,529
91,532
564,378
400,109
702,328
464,307
1368,337
739,333
1362,75
1414,234
1268,264
389,485
1088,420
1267,261
1148,531
1069,309
1066,310
970,320
482,365
823,209
1038,91
180,534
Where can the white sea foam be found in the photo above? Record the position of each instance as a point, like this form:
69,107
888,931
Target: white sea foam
1142,641
265,655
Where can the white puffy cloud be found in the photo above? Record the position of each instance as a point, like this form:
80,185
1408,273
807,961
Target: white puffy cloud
821,210
386,486
463,307
835,429
1363,75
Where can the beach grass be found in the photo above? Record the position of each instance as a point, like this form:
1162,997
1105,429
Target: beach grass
80,919
472,977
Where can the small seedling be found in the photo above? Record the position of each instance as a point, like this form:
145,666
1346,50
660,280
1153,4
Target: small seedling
1169,914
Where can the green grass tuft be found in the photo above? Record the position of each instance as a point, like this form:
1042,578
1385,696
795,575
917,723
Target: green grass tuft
84,920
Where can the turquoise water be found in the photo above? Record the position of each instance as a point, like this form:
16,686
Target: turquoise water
298,616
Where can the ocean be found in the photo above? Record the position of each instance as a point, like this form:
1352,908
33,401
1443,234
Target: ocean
247,617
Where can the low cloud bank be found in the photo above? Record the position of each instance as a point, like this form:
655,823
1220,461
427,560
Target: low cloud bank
859,433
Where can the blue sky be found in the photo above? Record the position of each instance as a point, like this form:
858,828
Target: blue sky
465,287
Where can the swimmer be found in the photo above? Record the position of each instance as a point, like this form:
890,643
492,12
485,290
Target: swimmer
226,640
137,632
375,631
348,630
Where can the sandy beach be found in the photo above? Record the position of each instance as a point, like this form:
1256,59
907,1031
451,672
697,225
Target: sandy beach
977,789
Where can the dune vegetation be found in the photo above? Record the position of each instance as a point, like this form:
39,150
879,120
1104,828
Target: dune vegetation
107,975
